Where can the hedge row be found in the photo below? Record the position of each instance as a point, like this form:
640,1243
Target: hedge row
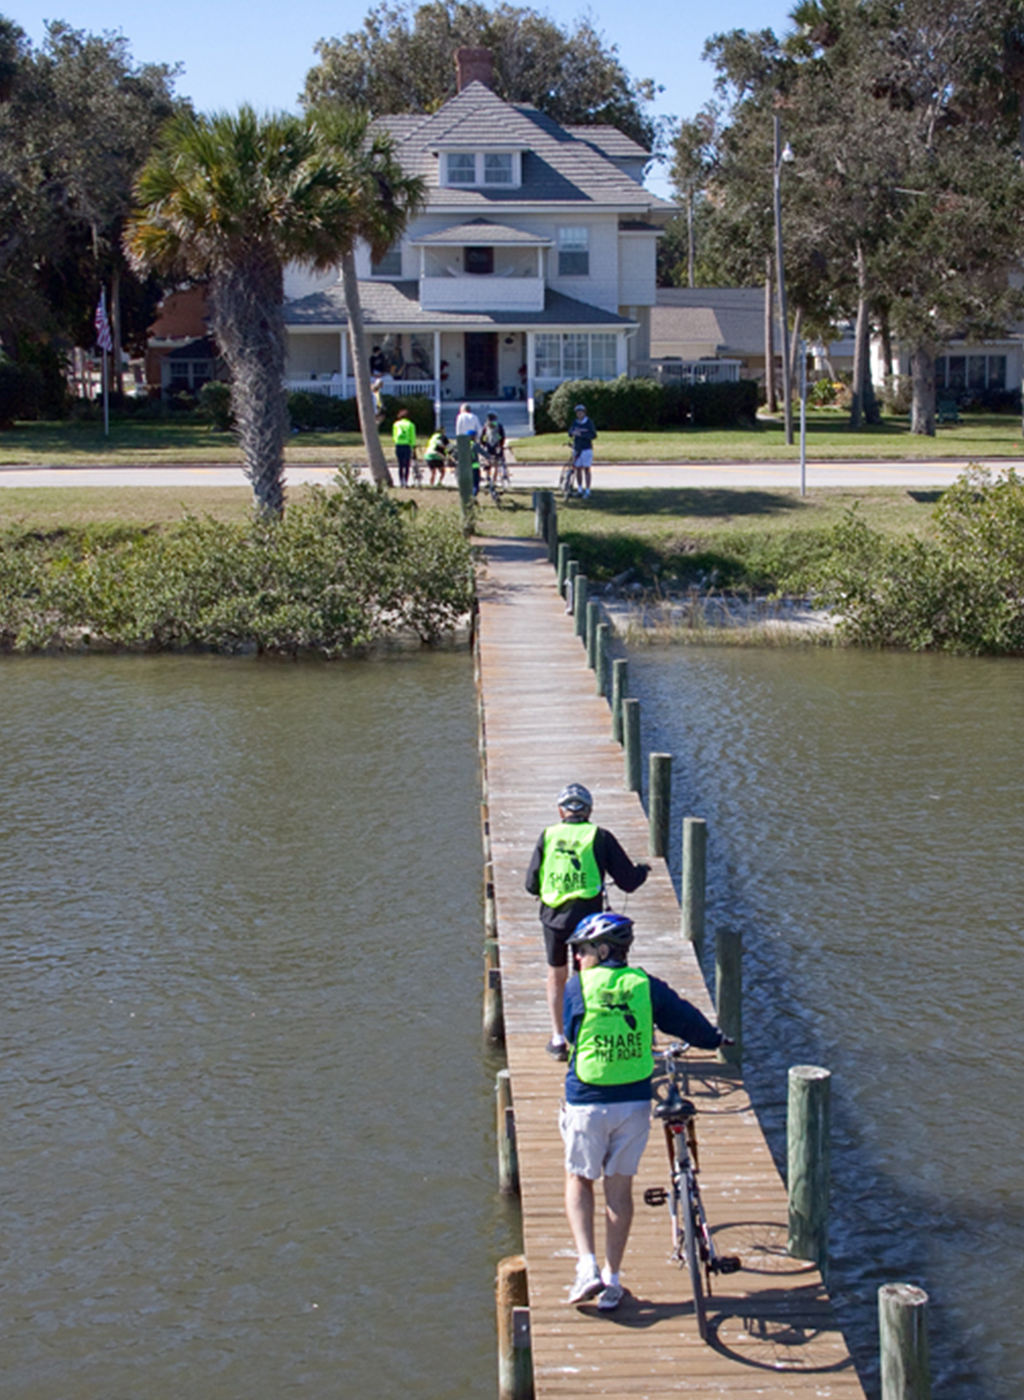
642,405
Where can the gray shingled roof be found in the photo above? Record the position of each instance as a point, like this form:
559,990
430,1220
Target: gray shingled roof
558,166
611,141
483,233
397,304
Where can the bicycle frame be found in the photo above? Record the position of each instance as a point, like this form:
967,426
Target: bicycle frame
692,1243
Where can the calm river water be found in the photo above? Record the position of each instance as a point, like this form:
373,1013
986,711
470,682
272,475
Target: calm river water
247,1146
866,831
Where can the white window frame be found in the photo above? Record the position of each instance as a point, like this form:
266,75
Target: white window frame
480,170
574,355
573,242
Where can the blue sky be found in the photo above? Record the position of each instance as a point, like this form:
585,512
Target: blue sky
259,51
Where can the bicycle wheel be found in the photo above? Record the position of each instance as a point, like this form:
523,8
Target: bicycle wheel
691,1245
565,485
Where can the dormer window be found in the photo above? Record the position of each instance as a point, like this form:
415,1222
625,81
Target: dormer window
481,168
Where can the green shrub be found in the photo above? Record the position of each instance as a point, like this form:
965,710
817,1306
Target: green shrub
21,392
341,570
964,592
710,405
215,403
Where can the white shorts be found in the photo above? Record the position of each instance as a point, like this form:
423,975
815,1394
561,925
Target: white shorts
585,458
604,1138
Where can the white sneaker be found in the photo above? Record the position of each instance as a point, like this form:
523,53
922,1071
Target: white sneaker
587,1284
610,1297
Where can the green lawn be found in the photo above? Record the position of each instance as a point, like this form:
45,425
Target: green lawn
140,442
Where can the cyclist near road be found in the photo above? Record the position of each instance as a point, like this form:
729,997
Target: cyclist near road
568,868
404,434
611,1011
582,434
436,456
492,447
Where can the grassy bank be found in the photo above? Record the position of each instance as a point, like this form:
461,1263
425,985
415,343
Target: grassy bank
166,441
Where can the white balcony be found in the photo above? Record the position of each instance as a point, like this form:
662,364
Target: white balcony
487,292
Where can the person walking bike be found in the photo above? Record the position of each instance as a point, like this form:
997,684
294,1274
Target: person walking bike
611,1011
568,869
582,434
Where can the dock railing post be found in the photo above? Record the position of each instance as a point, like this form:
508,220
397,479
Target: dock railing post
601,657
619,681
694,882
494,1014
903,1342
515,1358
579,605
659,802
808,1132
508,1160
562,567
631,743
464,469
572,568
729,992
593,617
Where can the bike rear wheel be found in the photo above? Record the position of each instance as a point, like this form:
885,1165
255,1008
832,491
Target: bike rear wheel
691,1247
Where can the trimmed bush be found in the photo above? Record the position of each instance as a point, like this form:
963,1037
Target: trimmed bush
215,403
643,405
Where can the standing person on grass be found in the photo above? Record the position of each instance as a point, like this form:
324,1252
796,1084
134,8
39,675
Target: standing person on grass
611,1010
582,434
568,868
404,434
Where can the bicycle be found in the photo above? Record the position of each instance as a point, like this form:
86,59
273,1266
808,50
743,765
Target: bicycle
691,1240
567,484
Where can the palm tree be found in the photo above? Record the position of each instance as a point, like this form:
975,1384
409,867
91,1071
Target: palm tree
231,199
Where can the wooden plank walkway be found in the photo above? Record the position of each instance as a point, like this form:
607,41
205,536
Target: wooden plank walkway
773,1330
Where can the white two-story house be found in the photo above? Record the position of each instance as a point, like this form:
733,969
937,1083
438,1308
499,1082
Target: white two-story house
532,262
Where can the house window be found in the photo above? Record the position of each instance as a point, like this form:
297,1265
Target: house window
461,168
390,265
497,168
573,252
959,372
479,261
575,355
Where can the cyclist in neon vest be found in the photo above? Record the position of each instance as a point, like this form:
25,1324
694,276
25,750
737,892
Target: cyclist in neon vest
611,1011
568,869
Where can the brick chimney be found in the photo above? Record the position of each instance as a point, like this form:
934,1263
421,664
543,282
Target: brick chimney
474,65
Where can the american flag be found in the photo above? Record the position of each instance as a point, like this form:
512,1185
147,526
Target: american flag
103,336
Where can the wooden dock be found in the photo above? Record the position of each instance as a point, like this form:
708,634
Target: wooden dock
773,1332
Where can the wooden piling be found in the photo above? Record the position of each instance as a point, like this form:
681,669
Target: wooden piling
579,605
808,1133
619,681
515,1357
464,469
694,881
601,657
659,802
494,1015
508,1162
572,568
729,992
562,567
593,618
551,528
903,1341
631,743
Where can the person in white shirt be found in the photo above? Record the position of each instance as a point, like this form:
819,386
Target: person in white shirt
467,424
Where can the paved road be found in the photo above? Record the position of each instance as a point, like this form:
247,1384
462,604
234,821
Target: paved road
746,475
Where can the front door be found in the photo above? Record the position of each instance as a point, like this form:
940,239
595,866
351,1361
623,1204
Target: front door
481,365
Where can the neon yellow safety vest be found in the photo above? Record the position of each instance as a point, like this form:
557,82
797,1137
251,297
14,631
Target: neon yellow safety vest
435,448
616,1036
568,868
404,432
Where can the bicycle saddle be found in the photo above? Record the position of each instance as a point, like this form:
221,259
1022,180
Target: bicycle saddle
674,1108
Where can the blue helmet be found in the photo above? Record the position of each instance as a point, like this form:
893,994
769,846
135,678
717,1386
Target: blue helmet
614,929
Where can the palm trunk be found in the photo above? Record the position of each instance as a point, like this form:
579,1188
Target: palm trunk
922,372
770,393
248,324
361,369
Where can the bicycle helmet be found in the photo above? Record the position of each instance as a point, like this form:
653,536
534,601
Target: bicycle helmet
575,798
614,929
580,408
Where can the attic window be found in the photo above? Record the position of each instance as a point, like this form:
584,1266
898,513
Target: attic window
478,168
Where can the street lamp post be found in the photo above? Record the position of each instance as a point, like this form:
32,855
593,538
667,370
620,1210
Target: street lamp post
783,155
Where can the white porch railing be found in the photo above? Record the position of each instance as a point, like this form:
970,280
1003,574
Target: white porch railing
337,388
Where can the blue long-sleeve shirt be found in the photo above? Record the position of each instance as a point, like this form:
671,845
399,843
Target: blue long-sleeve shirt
673,1015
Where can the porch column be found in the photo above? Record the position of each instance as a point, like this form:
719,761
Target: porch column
531,359
437,379
622,353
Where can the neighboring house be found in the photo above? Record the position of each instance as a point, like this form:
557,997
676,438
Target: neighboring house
532,262
179,353
964,370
